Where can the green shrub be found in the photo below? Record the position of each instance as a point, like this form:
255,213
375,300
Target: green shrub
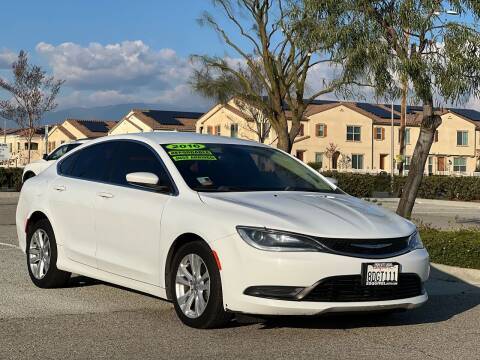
11,178
315,165
457,248
466,188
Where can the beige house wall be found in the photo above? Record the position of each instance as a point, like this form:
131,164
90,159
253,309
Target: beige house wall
73,130
128,125
223,118
19,153
338,118
55,138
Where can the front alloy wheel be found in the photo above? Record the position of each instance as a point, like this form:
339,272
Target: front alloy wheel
192,286
196,287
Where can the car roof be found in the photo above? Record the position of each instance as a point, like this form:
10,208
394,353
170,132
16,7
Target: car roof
169,137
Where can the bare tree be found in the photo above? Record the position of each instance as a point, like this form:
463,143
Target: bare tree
344,161
257,121
330,151
273,41
32,94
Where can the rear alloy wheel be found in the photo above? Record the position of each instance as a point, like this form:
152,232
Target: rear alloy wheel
42,257
197,288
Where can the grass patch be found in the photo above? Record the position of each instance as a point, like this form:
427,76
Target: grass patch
456,248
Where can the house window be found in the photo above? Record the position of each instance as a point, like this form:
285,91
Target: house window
430,165
379,133
209,130
319,159
462,138
321,130
406,136
200,130
357,161
218,130
406,163
301,132
234,130
460,164
33,146
299,154
353,133
435,138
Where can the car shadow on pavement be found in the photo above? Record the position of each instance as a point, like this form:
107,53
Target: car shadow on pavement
82,281
448,296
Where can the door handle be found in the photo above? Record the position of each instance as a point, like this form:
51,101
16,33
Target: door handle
105,195
60,188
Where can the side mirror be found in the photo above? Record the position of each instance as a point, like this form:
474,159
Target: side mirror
332,180
148,180
45,157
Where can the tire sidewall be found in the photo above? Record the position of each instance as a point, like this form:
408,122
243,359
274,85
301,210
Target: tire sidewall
48,279
214,308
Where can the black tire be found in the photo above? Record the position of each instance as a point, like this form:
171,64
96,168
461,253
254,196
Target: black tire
214,315
53,277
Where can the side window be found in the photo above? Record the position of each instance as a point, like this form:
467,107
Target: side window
65,166
91,163
135,157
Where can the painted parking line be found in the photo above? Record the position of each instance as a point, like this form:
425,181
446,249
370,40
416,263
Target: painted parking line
10,245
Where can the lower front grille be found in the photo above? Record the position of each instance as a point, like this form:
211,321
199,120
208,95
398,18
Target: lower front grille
349,288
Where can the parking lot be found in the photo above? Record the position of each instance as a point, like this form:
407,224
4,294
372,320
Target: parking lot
90,319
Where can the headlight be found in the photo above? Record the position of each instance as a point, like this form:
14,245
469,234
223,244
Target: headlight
271,240
415,242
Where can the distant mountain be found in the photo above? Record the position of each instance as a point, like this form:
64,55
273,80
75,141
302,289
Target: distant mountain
109,112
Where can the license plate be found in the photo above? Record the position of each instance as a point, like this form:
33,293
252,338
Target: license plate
380,274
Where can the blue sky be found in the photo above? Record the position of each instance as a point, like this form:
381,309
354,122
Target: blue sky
160,23
111,51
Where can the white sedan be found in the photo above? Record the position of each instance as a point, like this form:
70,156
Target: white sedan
218,226
36,167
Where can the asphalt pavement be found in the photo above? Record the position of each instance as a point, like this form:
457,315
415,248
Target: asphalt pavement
90,319
441,214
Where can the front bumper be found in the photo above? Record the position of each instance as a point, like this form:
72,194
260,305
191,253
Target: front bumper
244,266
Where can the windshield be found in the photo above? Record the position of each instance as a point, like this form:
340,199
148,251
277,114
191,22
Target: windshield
227,167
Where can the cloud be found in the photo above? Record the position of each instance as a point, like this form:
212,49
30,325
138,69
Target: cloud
123,66
95,98
7,57
129,71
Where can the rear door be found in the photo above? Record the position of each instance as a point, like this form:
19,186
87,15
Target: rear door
128,217
72,197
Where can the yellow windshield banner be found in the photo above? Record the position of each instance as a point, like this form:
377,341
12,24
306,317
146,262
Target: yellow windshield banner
186,146
192,152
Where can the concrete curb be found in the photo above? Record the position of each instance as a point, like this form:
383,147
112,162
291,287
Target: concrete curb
469,276
9,194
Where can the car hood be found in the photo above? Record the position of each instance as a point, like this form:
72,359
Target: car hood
316,214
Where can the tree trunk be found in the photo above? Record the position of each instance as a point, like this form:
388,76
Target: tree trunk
403,123
430,123
29,147
284,142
